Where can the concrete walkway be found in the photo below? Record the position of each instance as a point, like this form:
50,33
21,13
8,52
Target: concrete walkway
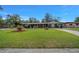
70,31
54,50
5,29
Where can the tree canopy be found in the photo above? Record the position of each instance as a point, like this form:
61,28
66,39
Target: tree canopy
33,20
49,18
76,19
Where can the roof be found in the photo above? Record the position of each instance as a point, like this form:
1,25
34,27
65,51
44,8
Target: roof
41,23
71,22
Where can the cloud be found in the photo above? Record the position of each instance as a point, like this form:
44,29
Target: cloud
4,13
24,17
65,20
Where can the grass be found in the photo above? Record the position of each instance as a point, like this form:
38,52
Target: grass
38,38
77,29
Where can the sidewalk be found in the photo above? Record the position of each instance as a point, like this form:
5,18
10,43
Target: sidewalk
25,50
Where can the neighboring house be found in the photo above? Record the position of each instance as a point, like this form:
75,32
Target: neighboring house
71,24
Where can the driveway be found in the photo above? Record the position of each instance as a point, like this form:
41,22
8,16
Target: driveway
70,31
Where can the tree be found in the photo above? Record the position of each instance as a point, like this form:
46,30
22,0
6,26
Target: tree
49,18
30,20
17,22
16,19
76,19
56,19
33,20
26,21
9,20
13,19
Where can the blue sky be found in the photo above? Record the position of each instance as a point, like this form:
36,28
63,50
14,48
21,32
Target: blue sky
66,13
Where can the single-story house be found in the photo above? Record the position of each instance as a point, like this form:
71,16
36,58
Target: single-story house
47,24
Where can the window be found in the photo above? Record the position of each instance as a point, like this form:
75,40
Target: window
77,24
70,24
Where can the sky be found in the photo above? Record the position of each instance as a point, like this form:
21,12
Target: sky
67,13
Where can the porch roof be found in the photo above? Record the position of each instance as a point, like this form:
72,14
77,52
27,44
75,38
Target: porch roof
42,23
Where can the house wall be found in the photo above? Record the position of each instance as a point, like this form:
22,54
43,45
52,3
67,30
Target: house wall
37,25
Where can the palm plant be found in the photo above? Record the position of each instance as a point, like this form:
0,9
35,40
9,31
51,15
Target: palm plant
1,21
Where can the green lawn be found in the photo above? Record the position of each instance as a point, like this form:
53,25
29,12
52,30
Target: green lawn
77,29
38,38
